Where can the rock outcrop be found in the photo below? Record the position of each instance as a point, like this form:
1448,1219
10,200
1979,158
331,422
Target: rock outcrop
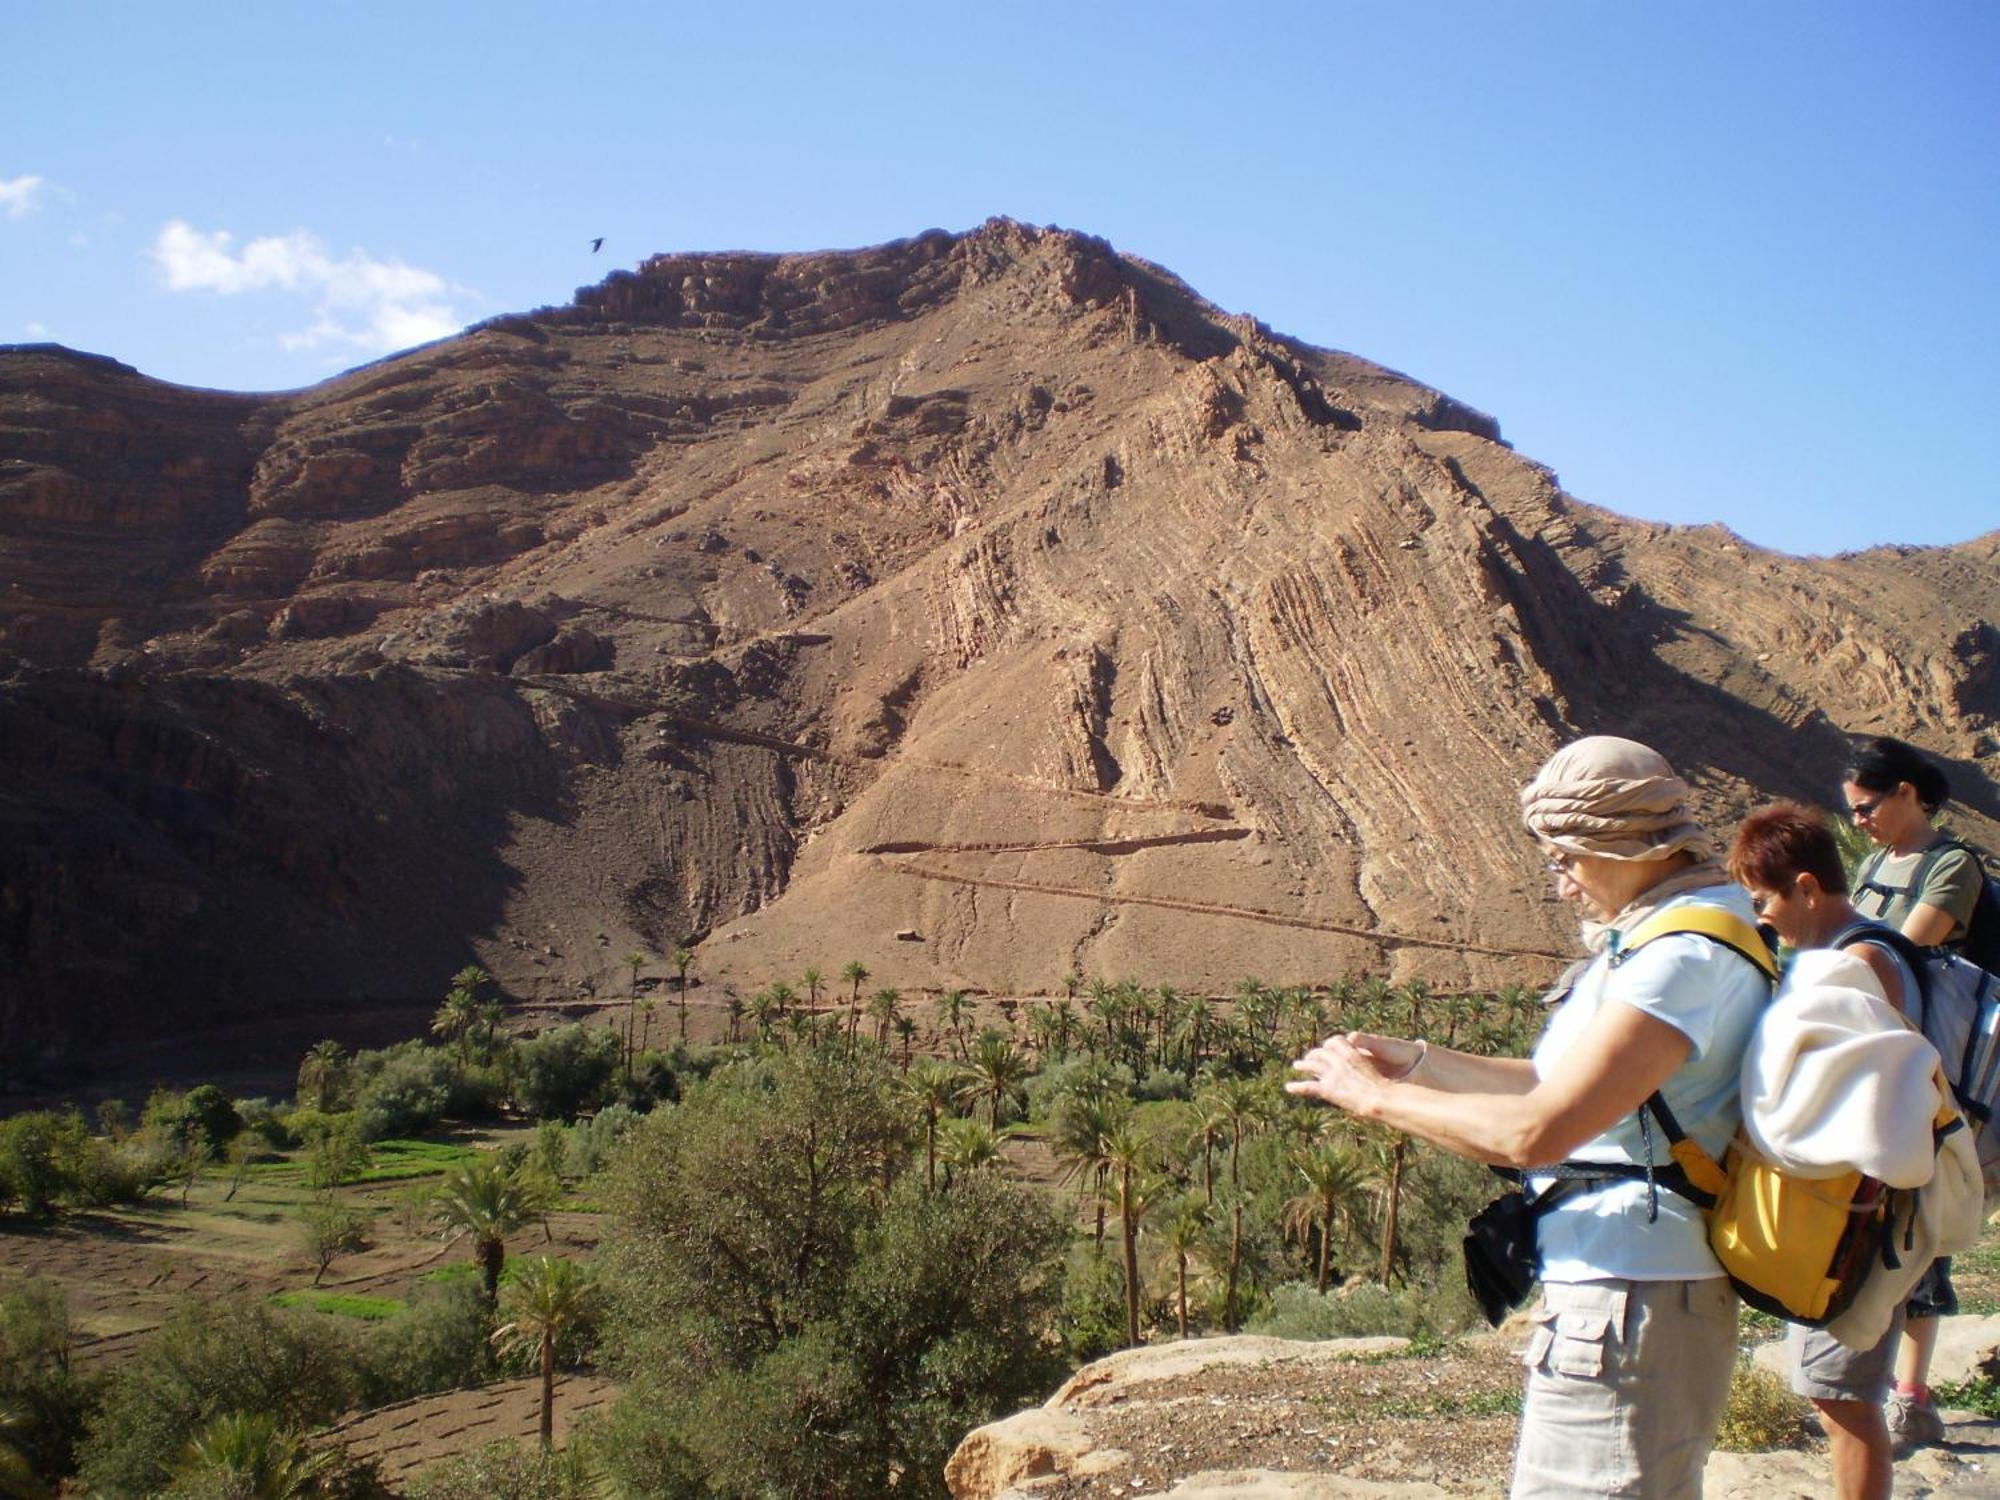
1251,1418
987,587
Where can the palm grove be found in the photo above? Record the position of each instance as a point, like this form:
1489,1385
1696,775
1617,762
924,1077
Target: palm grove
835,1239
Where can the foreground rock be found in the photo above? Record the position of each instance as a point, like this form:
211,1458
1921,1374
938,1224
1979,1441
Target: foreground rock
1271,1419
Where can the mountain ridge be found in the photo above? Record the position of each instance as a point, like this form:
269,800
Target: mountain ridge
992,587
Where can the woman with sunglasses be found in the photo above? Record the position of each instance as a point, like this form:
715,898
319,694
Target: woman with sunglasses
1893,794
1635,1338
1786,857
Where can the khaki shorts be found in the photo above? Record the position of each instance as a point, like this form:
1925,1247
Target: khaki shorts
1824,1369
1627,1381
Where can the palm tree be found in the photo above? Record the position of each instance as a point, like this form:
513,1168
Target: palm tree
884,1009
486,1018
953,1009
454,1020
323,1074
967,1146
485,1202
683,960
1185,1230
855,972
812,979
1335,1178
733,1004
1065,1023
931,1085
635,960
1244,1105
544,1300
995,1073
906,1031
1129,1154
764,1011
1389,1156
1084,1127
1416,992
782,997
247,1454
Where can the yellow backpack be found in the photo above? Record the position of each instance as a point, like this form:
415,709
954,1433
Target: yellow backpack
1796,1247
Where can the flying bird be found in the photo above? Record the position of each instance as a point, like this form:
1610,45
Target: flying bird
597,244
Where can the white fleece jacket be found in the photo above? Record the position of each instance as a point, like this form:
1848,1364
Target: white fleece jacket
1834,1079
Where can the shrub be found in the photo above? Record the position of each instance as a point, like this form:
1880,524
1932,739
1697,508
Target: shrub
476,1092
790,1327
262,1120
328,1231
1163,1083
506,1471
1091,1319
207,1359
440,1341
32,1148
210,1115
1762,1413
1362,1309
590,1142
564,1070
37,1381
402,1089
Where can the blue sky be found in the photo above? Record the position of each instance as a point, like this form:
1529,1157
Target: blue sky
1710,262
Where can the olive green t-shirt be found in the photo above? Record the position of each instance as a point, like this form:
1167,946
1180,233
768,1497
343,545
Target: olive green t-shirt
1952,885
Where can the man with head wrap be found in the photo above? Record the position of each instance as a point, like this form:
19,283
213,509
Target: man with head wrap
1635,1338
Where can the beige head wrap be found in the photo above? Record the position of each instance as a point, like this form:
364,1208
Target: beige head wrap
1615,798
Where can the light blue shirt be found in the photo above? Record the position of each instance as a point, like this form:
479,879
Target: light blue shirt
1713,997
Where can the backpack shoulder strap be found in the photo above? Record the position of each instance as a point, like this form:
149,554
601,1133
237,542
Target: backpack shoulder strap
1712,922
1916,959
1864,878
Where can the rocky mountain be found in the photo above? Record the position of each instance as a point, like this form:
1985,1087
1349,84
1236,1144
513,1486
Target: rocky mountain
985,607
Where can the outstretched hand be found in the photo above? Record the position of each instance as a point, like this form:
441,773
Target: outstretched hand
1348,1069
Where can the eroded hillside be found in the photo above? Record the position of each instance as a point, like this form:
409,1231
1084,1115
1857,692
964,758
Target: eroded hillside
983,607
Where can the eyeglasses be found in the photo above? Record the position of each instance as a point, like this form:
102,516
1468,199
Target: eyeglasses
1559,860
1867,809
1762,904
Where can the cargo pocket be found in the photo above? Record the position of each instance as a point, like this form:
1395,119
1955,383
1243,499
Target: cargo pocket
1569,1341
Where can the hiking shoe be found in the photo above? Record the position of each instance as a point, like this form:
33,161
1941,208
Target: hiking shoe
1913,1423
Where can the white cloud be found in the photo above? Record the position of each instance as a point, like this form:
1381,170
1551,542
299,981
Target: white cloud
20,196
36,330
377,305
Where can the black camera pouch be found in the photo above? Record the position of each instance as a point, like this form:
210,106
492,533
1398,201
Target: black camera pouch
1503,1260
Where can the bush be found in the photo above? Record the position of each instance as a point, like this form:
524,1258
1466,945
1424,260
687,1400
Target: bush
36,1379
1091,1319
564,1070
210,1115
262,1120
33,1147
402,1090
440,1341
328,1231
591,1142
1163,1083
506,1471
790,1327
1363,1309
1762,1413
1051,1088
210,1358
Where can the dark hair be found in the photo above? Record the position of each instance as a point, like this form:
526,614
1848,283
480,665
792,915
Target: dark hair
1883,764
1782,841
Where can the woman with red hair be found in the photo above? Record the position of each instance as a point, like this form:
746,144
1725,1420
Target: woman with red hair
1786,857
